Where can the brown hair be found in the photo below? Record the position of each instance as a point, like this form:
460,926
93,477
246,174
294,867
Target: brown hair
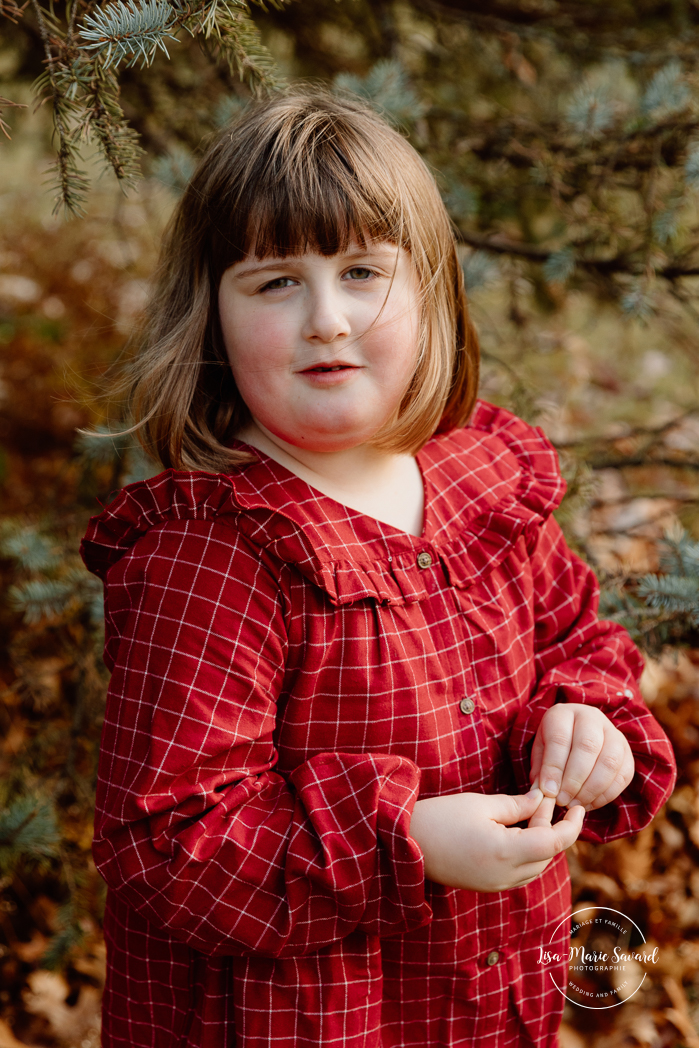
303,171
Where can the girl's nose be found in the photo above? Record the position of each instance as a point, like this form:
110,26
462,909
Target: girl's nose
325,320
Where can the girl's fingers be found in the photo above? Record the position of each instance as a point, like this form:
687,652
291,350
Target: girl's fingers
589,740
543,814
541,843
551,747
529,872
508,809
618,783
613,761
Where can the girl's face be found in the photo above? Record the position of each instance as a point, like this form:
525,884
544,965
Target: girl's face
322,347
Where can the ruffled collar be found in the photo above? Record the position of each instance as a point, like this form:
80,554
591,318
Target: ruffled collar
485,486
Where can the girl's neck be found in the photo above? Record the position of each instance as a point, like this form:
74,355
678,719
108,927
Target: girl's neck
378,483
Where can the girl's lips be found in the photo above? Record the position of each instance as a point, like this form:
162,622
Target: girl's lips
329,374
332,366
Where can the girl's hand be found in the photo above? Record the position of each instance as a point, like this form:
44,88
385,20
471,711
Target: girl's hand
469,841
579,757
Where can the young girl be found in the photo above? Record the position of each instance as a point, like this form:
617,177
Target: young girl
346,635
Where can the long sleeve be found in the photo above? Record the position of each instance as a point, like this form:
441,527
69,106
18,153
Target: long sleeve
194,828
582,659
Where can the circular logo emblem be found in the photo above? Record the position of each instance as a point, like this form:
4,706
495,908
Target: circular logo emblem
607,961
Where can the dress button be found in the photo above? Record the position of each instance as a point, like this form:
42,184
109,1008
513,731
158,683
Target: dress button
467,705
424,560
493,957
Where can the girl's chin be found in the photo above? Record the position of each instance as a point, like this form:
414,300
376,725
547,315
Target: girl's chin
325,444
320,441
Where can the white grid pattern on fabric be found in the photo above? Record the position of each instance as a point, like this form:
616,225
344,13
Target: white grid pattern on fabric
286,682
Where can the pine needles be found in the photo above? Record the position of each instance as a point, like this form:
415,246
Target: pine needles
84,52
46,792
126,32
56,585
386,88
661,609
28,832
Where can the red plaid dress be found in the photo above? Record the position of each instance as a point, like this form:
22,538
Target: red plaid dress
288,677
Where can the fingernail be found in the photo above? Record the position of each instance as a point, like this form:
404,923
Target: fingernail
551,787
574,802
535,792
535,784
562,799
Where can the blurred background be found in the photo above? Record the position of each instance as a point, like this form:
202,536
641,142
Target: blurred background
565,138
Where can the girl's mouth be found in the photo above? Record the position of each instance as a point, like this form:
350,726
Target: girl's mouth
331,374
323,368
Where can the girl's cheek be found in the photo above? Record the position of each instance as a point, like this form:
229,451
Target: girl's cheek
256,349
262,337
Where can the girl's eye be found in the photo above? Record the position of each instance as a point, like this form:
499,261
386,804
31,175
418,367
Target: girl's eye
360,273
280,282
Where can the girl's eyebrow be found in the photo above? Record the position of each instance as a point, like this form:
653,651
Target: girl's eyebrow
262,267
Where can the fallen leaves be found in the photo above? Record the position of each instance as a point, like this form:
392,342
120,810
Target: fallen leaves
8,1039
47,996
678,1014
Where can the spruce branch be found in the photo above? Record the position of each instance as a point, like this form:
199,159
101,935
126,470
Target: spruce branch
637,303
560,265
103,119
126,31
480,270
680,555
84,52
28,830
590,111
12,10
57,586
659,609
174,169
622,263
30,550
69,180
667,91
70,934
386,88
7,103
73,6
202,17
41,598
233,38
671,593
